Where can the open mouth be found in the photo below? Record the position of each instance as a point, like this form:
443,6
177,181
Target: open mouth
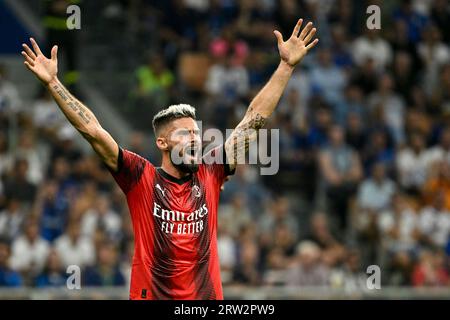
192,153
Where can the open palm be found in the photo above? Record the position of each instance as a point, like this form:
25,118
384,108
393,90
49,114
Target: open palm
44,69
297,46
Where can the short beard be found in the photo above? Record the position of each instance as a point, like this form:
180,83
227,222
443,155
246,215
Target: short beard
185,167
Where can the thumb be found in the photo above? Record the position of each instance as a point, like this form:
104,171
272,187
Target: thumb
279,36
54,53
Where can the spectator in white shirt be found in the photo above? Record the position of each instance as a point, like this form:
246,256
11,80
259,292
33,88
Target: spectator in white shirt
29,251
227,248
101,217
375,193
434,55
434,222
398,226
440,152
391,104
29,150
73,248
326,78
9,94
46,115
227,80
412,164
11,219
372,46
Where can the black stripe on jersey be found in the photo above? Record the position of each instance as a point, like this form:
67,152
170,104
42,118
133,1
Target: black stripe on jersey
163,268
202,277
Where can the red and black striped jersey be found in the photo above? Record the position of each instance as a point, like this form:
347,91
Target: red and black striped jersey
175,229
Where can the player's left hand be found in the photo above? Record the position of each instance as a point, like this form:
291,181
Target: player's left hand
297,46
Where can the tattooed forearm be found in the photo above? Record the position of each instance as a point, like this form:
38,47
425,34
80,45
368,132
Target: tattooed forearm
72,103
60,92
86,123
259,110
244,134
78,115
257,121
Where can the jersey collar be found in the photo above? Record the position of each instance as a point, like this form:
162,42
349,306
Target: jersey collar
172,178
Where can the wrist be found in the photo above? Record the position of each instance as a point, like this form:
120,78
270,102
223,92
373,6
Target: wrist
52,82
286,66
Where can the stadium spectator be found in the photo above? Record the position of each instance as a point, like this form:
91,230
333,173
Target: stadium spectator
279,212
341,171
46,116
308,270
29,251
235,214
434,55
246,269
398,226
53,274
10,101
327,80
154,80
73,248
106,271
412,164
101,217
226,79
11,219
350,277
375,193
430,270
391,106
18,185
8,277
372,46
226,244
434,223
438,182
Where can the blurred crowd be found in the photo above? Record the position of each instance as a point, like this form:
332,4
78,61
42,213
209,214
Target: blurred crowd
364,148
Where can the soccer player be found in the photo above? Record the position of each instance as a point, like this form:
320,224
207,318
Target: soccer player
174,207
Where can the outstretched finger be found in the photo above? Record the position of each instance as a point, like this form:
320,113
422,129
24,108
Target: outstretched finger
305,31
27,58
279,36
29,66
312,44
297,28
35,47
310,35
54,53
29,52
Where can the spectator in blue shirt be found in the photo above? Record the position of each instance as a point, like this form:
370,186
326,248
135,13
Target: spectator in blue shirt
8,277
106,271
53,274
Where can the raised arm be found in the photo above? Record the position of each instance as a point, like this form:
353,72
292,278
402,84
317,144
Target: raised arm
291,52
78,114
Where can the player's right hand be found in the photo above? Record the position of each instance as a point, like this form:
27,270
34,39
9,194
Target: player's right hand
43,68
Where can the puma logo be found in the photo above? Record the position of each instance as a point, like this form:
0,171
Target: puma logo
163,192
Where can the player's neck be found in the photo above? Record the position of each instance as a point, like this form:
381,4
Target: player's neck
170,169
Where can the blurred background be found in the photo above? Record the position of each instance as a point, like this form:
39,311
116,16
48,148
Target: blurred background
364,144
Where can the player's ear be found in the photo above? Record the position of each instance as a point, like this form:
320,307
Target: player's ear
162,144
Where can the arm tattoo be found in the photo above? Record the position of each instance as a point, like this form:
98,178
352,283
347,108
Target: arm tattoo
244,134
73,104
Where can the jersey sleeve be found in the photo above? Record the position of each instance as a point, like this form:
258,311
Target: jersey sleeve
216,162
130,168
